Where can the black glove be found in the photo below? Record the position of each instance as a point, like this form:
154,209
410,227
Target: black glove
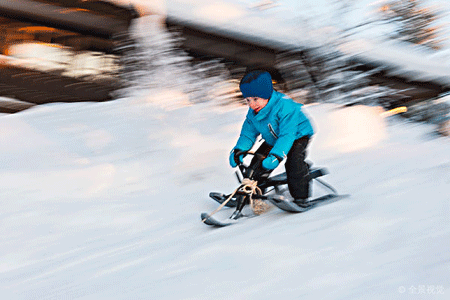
236,159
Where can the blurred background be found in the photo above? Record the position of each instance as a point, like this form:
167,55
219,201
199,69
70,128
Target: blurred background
390,53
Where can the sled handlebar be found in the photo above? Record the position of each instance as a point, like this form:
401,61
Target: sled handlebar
248,171
259,156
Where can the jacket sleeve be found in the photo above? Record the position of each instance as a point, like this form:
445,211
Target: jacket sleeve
247,137
288,123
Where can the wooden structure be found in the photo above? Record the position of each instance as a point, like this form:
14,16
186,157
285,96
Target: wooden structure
73,24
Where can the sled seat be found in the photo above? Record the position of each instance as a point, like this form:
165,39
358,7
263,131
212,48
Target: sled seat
282,178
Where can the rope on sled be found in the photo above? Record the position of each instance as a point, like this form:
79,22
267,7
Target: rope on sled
223,204
249,187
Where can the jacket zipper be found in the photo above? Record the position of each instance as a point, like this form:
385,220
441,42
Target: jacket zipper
272,131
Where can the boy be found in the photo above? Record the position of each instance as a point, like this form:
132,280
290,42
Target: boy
284,127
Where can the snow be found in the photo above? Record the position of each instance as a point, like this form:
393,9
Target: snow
361,129
103,201
144,7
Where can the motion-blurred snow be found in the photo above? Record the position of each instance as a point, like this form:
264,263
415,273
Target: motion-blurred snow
103,201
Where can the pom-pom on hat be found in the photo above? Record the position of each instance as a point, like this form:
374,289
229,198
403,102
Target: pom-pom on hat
256,84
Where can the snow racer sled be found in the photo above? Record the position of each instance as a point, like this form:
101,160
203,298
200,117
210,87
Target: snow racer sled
268,189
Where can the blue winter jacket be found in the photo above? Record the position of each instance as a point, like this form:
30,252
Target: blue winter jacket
280,123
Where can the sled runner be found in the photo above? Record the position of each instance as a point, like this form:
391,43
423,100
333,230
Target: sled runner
269,190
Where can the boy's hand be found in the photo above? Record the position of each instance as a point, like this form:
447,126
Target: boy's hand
271,162
236,160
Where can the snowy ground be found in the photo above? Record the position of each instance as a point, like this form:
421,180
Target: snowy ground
103,201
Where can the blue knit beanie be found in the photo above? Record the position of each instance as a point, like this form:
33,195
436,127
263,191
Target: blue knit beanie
256,84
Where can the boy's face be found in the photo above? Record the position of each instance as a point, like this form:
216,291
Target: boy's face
256,103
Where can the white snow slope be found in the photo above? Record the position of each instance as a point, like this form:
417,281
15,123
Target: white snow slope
103,201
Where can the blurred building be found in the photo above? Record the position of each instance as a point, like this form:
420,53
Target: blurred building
65,51
251,51
59,50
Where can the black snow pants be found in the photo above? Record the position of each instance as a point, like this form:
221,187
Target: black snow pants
297,169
